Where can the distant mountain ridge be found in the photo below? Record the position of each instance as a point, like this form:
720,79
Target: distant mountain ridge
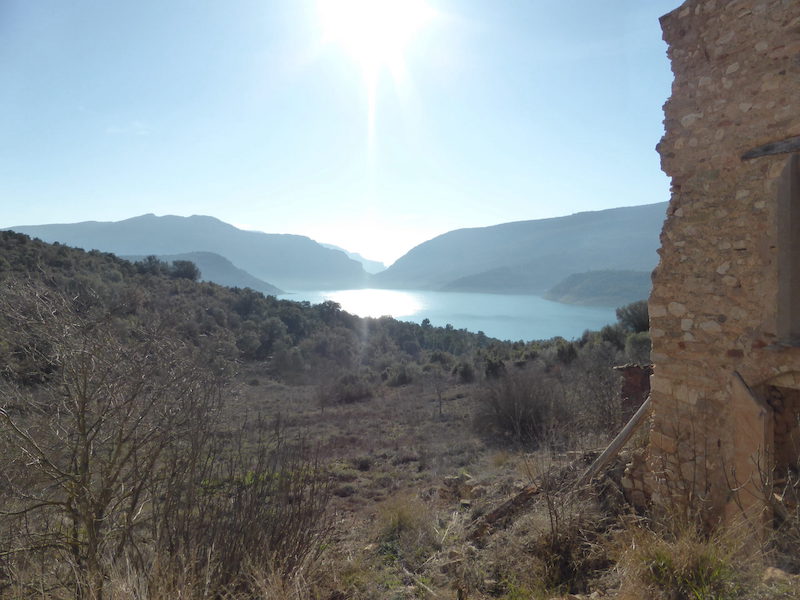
219,270
287,261
370,266
529,257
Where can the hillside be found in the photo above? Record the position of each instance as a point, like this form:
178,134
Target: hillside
218,269
297,340
287,261
602,288
440,463
529,257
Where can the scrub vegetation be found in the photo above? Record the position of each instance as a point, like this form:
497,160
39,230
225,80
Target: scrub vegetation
166,438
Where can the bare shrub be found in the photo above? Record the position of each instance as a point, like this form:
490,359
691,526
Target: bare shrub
593,390
568,552
82,454
112,457
552,403
262,505
523,405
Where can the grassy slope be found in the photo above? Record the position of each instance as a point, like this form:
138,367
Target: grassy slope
410,472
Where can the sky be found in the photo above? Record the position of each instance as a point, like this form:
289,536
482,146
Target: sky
370,124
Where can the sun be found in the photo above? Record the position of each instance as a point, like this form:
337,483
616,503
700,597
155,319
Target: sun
375,33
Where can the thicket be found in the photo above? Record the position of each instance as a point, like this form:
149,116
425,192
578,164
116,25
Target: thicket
294,341
562,394
113,456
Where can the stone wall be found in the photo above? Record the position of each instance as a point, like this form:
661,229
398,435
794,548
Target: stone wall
714,316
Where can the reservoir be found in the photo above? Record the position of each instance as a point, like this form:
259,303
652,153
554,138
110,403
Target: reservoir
503,316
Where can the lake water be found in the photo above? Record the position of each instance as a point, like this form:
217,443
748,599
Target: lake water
508,317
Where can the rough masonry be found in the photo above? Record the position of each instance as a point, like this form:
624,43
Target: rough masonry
725,305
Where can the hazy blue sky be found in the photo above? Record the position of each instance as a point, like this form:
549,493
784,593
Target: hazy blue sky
254,112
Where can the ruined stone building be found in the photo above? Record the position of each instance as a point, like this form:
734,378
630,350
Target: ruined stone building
725,305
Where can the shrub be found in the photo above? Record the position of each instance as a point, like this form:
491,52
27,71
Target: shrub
399,375
363,463
184,269
495,367
351,388
566,353
637,347
523,405
634,317
615,335
465,372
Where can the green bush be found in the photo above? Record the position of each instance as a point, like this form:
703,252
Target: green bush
615,335
637,347
399,375
351,388
465,372
634,316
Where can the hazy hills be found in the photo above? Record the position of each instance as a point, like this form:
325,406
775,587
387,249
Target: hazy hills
601,257
602,288
530,257
287,261
219,270
370,266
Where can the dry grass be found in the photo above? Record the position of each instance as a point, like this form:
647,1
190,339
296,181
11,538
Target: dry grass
682,563
400,533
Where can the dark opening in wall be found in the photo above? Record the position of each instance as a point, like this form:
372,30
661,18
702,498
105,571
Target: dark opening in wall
785,403
788,215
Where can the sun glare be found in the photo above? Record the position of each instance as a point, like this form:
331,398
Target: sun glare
374,32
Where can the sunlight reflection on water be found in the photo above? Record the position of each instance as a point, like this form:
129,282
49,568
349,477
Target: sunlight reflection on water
510,317
377,303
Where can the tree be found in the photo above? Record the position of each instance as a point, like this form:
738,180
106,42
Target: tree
152,265
184,269
634,316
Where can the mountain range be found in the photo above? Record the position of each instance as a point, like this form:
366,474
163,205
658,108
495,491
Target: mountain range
290,262
530,257
599,257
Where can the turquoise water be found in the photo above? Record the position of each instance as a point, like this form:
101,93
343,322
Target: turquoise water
508,317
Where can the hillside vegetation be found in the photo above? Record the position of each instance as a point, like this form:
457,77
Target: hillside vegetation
217,269
163,438
286,261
